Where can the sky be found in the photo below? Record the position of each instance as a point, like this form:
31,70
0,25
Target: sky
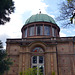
23,10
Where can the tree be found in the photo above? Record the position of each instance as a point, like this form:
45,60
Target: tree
6,8
66,12
4,61
31,71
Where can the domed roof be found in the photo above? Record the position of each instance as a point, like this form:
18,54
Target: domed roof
40,18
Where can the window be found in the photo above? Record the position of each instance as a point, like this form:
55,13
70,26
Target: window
31,31
53,32
38,49
38,61
26,32
39,30
46,30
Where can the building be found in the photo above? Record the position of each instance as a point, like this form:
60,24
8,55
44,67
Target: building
41,46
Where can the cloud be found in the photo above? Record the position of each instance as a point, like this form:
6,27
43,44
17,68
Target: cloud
12,27
30,5
62,34
3,39
73,29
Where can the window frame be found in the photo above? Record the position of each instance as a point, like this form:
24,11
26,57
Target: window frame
37,64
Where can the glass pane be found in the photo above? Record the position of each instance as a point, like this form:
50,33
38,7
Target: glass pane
26,32
37,49
31,31
46,30
39,30
34,59
34,66
41,69
35,70
53,32
40,59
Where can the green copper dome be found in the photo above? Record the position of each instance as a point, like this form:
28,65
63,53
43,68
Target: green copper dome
40,18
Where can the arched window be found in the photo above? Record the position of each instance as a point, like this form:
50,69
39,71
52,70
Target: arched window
38,49
38,61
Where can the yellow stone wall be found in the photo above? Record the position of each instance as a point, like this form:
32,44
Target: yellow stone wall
58,56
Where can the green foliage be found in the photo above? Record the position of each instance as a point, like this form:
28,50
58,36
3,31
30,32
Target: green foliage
6,8
4,61
31,71
53,73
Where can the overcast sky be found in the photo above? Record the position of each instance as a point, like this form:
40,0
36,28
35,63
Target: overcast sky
23,10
